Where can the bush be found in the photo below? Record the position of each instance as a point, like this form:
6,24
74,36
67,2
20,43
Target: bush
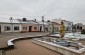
83,31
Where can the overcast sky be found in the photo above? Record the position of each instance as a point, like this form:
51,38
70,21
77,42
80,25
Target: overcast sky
71,10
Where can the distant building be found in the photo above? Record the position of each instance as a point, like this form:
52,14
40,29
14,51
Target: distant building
54,27
83,27
68,24
13,26
79,27
23,25
43,26
19,25
29,25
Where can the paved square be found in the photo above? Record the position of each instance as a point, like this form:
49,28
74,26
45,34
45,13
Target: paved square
4,37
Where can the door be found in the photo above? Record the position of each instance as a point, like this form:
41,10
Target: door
0,28
30,28
40,28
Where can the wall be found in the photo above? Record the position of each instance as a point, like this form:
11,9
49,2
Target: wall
54,27
27,25
83,27
68,25
33,29
11,30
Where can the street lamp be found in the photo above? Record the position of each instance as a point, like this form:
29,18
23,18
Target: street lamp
43,23
73,29
52,28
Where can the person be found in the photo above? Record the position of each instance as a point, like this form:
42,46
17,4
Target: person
62,30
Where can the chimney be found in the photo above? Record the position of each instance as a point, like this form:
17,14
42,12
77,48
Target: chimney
35,20
24,19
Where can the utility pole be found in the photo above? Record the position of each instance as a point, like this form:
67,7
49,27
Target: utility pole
52,28
43,24
11,20
73,29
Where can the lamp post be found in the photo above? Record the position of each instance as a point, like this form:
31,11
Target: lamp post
52,28
43,24
72,28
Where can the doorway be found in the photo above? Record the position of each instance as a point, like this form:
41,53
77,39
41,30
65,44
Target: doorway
40,28
30,28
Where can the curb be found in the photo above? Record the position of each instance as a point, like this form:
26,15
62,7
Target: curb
10,43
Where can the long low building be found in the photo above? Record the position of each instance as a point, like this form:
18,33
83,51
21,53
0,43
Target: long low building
21,25
10,27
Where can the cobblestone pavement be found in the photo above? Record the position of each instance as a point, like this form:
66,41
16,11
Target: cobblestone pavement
4,37
26,47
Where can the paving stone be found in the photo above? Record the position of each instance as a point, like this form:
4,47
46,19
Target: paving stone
26,47
4,37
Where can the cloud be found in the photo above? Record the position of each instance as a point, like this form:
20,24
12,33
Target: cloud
65,9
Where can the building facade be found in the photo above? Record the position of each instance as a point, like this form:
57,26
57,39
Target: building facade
43,26
79,27
68,25
54,27
19,25
8,27
29,25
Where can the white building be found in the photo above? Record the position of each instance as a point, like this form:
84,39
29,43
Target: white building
18,25
54,27
68,24
79,27
43,26
7,26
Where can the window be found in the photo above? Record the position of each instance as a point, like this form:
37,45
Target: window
24,28
50,28
7,28
69,23
46,28
35,28
16,28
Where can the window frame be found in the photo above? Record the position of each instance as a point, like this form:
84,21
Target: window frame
35,28
16,29
7,28
24,28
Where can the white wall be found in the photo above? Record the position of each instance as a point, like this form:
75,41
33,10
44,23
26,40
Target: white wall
66,23
7,24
